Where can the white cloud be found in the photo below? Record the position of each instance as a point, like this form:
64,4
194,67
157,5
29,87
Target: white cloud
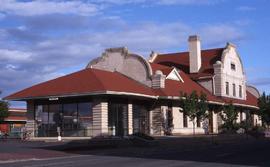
23,64
14,55
81,7
220,33
160,2
245,8
42,7
187,2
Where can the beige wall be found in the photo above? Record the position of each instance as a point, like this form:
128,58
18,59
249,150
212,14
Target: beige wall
236,76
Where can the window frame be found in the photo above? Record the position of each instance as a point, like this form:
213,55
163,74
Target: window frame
234,89
227,87
233,67
240,91
185,120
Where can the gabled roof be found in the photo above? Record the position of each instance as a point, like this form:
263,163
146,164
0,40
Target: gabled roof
93,81
181,61
82,83
165,69
174,88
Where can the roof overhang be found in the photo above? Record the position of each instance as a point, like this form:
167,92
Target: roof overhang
84,94
125,94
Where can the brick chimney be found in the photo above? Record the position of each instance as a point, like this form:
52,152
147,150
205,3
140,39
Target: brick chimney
195,61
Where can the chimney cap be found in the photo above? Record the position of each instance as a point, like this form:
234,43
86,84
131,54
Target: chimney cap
193,38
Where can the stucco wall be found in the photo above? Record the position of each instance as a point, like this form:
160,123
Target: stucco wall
224,73
208,84
120,60
236,76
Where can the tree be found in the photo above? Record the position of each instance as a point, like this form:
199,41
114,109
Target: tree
264,111
3,109
229,117
194,106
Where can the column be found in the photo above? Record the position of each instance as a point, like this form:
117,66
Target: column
30,123
130,119
177,120
156,121
100,118
215,122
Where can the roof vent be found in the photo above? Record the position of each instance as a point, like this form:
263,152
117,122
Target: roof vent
158,80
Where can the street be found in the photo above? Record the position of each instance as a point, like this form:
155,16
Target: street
169,152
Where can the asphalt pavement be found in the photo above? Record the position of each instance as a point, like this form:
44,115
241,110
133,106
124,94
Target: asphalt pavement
169,152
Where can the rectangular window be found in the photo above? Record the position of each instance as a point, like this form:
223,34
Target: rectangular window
227,88
240,91
234,91
185,121
74,119
198,122
233,66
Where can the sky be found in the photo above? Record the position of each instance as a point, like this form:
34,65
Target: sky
45,39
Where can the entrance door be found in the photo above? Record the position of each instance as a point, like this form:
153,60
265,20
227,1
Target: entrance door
140,119
118,119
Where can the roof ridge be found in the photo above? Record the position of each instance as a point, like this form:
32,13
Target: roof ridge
203,50
41,83
96,77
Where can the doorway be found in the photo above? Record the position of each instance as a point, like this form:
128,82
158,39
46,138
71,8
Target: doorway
118,119
140,119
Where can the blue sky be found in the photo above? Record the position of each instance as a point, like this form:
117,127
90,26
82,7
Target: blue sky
41,40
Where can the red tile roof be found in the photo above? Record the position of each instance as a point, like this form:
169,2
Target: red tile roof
181,61
89,81
83,82
174,88
165,69
251,100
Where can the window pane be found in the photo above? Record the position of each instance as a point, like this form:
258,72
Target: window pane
233,66
185,121
85,109
198,122
234,91
85,119
70,110
54,119
240,91
227,88
70,120
41,117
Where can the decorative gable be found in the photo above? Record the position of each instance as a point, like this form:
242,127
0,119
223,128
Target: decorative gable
128,64
174,75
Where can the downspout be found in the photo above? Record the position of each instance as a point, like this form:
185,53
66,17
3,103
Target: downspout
213,85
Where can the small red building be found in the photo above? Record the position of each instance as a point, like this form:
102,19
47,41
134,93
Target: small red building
14,122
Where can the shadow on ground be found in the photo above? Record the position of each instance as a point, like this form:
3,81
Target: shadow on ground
237,150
